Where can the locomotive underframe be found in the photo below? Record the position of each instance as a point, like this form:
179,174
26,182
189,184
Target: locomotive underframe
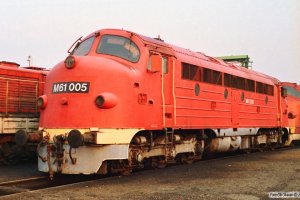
10,153
10,124
140,148
292,138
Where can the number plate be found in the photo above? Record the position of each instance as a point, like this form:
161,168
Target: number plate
71,87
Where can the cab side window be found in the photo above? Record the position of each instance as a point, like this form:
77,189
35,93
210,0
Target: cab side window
165,65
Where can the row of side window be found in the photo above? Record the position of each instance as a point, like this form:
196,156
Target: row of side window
195,73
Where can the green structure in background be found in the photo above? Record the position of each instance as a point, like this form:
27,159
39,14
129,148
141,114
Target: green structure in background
244,60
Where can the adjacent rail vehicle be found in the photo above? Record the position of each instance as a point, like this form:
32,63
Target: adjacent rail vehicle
293,110
122,100
20,88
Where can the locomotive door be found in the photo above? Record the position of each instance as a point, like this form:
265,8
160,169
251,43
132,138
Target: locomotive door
167,90
235,108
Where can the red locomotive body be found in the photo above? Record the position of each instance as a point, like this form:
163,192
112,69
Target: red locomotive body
122,100
20,88
293,110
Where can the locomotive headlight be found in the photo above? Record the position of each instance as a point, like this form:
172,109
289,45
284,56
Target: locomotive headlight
100,101
106,100
70,62
42,101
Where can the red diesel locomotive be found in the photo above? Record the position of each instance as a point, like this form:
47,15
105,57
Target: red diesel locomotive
20,88
293,111
121,100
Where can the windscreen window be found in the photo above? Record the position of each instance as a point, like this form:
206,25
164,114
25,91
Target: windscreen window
83,47
120,47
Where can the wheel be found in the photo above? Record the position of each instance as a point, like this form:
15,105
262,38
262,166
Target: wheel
10,154
187,158
126,172
247,151
161,164
158,162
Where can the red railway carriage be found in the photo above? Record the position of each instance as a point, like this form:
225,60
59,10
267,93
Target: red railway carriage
19,89
293,110
123,100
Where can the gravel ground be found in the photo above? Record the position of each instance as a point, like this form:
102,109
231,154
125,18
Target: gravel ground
248,177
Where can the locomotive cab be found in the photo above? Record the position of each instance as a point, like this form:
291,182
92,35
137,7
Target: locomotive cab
98,96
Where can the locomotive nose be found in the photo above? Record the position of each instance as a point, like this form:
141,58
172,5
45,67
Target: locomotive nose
89,94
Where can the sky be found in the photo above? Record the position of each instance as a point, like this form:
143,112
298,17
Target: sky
266,30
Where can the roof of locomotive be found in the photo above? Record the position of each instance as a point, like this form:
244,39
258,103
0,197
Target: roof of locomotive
198,58
294,85
15,67
9,64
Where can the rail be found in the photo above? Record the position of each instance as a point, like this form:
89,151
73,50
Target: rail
41,183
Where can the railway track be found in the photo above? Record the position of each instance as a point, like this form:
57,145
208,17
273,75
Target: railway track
43,182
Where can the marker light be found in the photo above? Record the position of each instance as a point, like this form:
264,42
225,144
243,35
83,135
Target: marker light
106,100
42,101
100,101
70,62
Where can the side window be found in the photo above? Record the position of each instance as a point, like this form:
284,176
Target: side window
185,71
250,85
207,75
190,72
193,72
149,66
84,47
217,77
227,80
265,89
259,87
269,90
234,82
165,65
240,83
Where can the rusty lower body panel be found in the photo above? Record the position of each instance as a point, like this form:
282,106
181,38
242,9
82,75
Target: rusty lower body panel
95,150
88,159
292,138
124,150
